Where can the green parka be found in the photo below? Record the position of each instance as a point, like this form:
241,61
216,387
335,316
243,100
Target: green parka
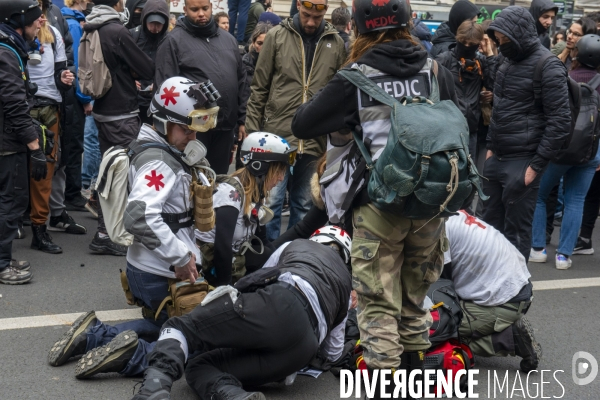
280,84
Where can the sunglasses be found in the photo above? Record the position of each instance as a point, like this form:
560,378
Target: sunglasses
309,5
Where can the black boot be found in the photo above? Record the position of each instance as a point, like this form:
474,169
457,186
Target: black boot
41,240
411,361
112,357
156,386
230,391
526,346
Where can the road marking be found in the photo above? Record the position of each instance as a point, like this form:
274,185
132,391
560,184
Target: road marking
136,313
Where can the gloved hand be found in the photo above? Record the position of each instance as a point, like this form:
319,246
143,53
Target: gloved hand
39,167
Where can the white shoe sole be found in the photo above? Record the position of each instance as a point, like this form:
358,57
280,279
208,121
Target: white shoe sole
538,260
563,267
587,252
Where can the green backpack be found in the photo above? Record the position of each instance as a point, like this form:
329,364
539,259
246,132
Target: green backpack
425,170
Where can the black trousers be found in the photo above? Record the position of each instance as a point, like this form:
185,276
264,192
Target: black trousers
14,198
591,207
72,150
512,204
262,338
218,144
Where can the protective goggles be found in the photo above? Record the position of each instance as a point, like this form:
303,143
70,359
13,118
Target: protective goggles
288,157
310,6
202,120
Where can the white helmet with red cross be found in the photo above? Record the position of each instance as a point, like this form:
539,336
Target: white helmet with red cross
334,234
184,102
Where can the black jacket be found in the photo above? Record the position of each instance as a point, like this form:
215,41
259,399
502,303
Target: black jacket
200,58
518,128
442,39
58,21
335,107
148,41
17,126
326,272
537,8
468,84
124,59
249,60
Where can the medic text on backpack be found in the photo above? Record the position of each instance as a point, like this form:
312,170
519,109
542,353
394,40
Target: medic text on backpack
93,73
446,312
584,143
424,170
574,94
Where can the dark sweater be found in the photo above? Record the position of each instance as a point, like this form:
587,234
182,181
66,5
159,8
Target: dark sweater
584,74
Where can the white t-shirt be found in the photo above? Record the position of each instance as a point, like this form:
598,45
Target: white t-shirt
486,268
227,195
43,73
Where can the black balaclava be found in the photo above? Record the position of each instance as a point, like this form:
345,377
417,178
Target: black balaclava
461,11
466,52
509,50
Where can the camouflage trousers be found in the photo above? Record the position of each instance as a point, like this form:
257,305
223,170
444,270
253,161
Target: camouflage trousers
392,268
488,330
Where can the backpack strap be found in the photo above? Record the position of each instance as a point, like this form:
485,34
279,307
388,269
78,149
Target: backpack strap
361,81
537,78
18,58
594,82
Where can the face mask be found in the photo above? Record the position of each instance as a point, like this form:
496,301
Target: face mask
466,52
194,152
509,50
136,20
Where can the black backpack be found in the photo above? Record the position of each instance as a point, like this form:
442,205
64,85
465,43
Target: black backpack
574,94
584,143
446,312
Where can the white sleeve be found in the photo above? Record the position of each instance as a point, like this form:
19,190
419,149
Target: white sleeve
60,54
152,185
274,259
333,345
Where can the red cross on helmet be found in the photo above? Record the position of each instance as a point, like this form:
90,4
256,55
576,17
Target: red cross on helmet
334,234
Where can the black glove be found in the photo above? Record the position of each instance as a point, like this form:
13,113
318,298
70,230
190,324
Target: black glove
39,167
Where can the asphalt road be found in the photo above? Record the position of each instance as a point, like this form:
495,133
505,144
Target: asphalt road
565,321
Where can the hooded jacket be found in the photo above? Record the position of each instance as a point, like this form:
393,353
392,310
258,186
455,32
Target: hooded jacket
57,20
16,125
131,5
469,84
148,41
518,128
217,57
442,39
281,83
421,31
123,58
537,8
73,18
461,11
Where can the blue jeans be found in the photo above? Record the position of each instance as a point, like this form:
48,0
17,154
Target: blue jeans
300,199
238,12
576,182
151,290
91,152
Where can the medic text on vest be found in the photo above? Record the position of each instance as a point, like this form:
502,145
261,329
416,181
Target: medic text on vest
398,88
381,21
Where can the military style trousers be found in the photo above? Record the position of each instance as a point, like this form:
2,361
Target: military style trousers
394,260
488,330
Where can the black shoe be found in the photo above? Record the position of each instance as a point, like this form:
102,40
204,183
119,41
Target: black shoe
526,346
43,241
77,204
13,276
73,342
583,246
65,223
20,265
156,386
112,357
234,392
26,219
107,246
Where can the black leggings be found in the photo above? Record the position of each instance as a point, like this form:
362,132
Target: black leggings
591,207
262,338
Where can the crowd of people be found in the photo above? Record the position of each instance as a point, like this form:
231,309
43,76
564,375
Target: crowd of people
304,109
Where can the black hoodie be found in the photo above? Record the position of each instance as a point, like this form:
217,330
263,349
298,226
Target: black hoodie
131,5
461,11
518,128
538,7
335,107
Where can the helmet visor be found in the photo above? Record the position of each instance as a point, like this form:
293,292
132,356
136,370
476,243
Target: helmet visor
202,120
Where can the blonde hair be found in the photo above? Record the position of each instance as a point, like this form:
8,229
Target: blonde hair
251,188
366,41
71,3
44,35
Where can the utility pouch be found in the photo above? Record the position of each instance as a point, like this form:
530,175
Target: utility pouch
184,297
125,285
238,264
204,213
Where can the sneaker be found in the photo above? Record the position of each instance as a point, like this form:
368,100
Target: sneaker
156,386
93,206
563,262
107,246
77,204
13,276
112,357
20,265
74,341
583,246
526,346
234,392
65,223
538,256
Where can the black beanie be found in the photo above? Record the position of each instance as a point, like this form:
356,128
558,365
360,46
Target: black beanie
110,3
461,11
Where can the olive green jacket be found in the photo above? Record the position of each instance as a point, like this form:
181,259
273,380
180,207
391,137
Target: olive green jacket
280,86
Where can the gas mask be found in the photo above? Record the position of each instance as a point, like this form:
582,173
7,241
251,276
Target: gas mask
193,153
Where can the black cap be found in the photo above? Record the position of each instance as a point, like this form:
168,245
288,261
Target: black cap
156,18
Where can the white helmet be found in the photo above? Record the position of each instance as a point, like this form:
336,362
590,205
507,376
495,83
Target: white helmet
261,148
331,233
182,101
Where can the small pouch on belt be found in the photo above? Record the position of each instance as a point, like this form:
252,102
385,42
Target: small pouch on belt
125,285
185,296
